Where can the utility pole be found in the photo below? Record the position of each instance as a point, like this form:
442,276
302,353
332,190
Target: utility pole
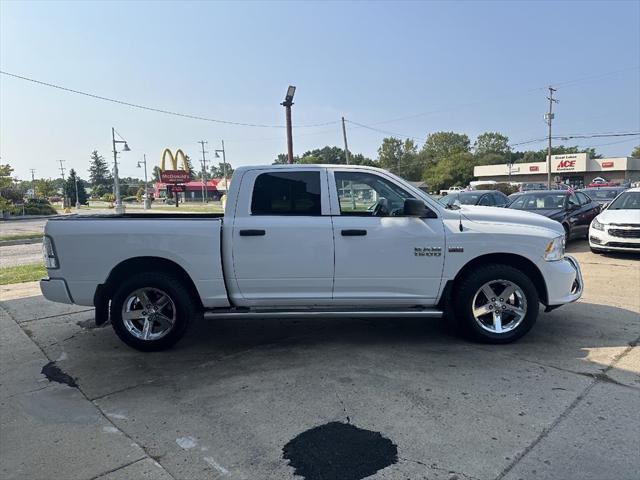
346,147
288,102
62,169
549,118
33,182
205,194
65,200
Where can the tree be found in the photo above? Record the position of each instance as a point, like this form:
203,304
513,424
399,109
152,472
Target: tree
5,175
45,188
69,189
456,169
636,152
329,155
192,173
492,148
218,172
99,173
155,174
440,145
491,142
401,158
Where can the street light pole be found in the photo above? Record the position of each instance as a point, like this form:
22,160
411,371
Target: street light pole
288,102
77,199
146,188
224,166
116,180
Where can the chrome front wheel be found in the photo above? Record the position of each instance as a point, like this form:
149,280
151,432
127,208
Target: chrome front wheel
499,306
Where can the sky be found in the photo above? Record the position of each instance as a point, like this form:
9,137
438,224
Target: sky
404,68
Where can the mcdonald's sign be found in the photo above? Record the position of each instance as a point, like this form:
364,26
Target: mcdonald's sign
174,175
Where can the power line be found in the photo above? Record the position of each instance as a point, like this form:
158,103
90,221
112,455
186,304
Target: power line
385,132
157,110
520,92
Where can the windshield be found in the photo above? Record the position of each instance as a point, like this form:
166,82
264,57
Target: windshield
539,201
626,201
466,198
602,194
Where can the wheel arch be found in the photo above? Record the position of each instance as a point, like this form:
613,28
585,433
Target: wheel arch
510,259
133,265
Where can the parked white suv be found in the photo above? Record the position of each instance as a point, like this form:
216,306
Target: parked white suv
313,240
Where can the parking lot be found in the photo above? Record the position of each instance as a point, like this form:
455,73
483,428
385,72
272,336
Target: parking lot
562,402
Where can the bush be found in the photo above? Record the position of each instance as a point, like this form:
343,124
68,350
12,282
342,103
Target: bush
108,197
504,187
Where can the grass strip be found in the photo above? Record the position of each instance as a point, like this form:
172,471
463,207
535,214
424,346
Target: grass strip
22,273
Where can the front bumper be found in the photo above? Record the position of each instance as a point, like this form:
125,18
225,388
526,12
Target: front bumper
56,290
564,281
621,241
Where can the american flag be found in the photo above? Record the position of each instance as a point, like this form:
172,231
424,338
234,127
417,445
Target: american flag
570,190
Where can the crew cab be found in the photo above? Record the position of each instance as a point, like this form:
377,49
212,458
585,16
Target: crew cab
312,240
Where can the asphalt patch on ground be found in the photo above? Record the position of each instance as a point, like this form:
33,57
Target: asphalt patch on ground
339,451
55,374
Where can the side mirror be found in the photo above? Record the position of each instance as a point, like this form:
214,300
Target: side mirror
414,207
604,206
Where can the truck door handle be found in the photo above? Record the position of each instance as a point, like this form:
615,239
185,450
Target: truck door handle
252,233
354,233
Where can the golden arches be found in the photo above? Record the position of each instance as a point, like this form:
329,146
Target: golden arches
173,159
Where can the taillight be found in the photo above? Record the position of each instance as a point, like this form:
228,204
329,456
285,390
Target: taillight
49,253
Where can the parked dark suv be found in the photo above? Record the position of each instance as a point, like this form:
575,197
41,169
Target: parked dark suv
573,210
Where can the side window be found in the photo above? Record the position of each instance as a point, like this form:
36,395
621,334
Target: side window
573,200
366,194
485,200
286,193
584,200
500,199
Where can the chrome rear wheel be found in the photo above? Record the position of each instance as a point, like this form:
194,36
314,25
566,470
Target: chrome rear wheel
149,313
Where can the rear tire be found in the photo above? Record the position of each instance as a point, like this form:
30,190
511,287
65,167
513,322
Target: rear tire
151,311
496,304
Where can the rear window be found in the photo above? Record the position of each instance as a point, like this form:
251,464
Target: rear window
287,193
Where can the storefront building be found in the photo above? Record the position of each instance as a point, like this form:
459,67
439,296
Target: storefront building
193,191
577,170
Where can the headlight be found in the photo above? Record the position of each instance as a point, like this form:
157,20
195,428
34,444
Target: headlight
49,253
555,249
596,225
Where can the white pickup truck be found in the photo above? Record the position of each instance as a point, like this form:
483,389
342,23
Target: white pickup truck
449,190
312,240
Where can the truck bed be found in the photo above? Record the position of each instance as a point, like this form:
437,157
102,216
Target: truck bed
90,247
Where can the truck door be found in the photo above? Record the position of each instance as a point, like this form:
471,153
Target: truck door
282,239
382,257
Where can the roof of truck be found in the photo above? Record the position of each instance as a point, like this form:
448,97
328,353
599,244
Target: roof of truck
310,165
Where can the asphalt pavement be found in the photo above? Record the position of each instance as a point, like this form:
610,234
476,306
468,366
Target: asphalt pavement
266,399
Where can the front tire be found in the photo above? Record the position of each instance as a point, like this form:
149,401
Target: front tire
151,311
496,304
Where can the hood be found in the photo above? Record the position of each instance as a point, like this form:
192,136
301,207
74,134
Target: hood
620,216
510,216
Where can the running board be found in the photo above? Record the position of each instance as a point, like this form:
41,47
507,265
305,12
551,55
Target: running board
246,313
